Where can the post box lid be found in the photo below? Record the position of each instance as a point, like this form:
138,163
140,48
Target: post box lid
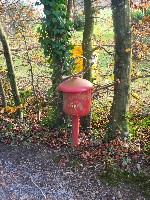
75,85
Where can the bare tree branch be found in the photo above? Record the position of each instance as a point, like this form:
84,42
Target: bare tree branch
101,47
98,87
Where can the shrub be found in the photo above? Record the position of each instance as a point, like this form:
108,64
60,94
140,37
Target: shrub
79,21
137,15
148,11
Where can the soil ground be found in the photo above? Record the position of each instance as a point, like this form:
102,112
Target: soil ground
32,173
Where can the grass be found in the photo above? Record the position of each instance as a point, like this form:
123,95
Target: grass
140,181
103,32
104,25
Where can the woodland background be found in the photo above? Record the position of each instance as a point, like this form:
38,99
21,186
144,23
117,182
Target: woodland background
29,76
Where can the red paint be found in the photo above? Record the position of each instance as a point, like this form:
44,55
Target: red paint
75,131
75,85
76,101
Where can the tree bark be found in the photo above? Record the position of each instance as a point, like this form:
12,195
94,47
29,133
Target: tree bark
122,31
70,9
87,49
2,93
10,68
60,116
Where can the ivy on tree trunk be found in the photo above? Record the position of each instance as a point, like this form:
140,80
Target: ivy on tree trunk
55,36
122,31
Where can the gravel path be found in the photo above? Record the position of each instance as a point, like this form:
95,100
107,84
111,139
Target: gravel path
30,173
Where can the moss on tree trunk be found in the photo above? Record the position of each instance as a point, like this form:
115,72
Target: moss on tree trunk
122,32
10,68
2,93
87,49
57,97
70,9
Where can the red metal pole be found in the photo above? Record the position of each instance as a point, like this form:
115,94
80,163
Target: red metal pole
75,131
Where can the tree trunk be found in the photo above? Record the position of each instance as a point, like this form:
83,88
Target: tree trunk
70,9
58,118
10,68
122,30
87,47
2,93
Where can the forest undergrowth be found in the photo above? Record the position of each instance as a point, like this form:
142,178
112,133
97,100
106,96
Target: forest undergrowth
121,159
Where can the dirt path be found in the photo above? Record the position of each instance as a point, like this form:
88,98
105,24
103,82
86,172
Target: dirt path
30,173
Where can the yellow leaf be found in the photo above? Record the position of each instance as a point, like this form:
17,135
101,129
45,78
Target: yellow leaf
139,56
8,108
13,109
127,50
145,47
18,35
20,106
140,21
77,51
138,73
2,110
111,77
135,95
30,13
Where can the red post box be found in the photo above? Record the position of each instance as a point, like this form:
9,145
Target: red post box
76,101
